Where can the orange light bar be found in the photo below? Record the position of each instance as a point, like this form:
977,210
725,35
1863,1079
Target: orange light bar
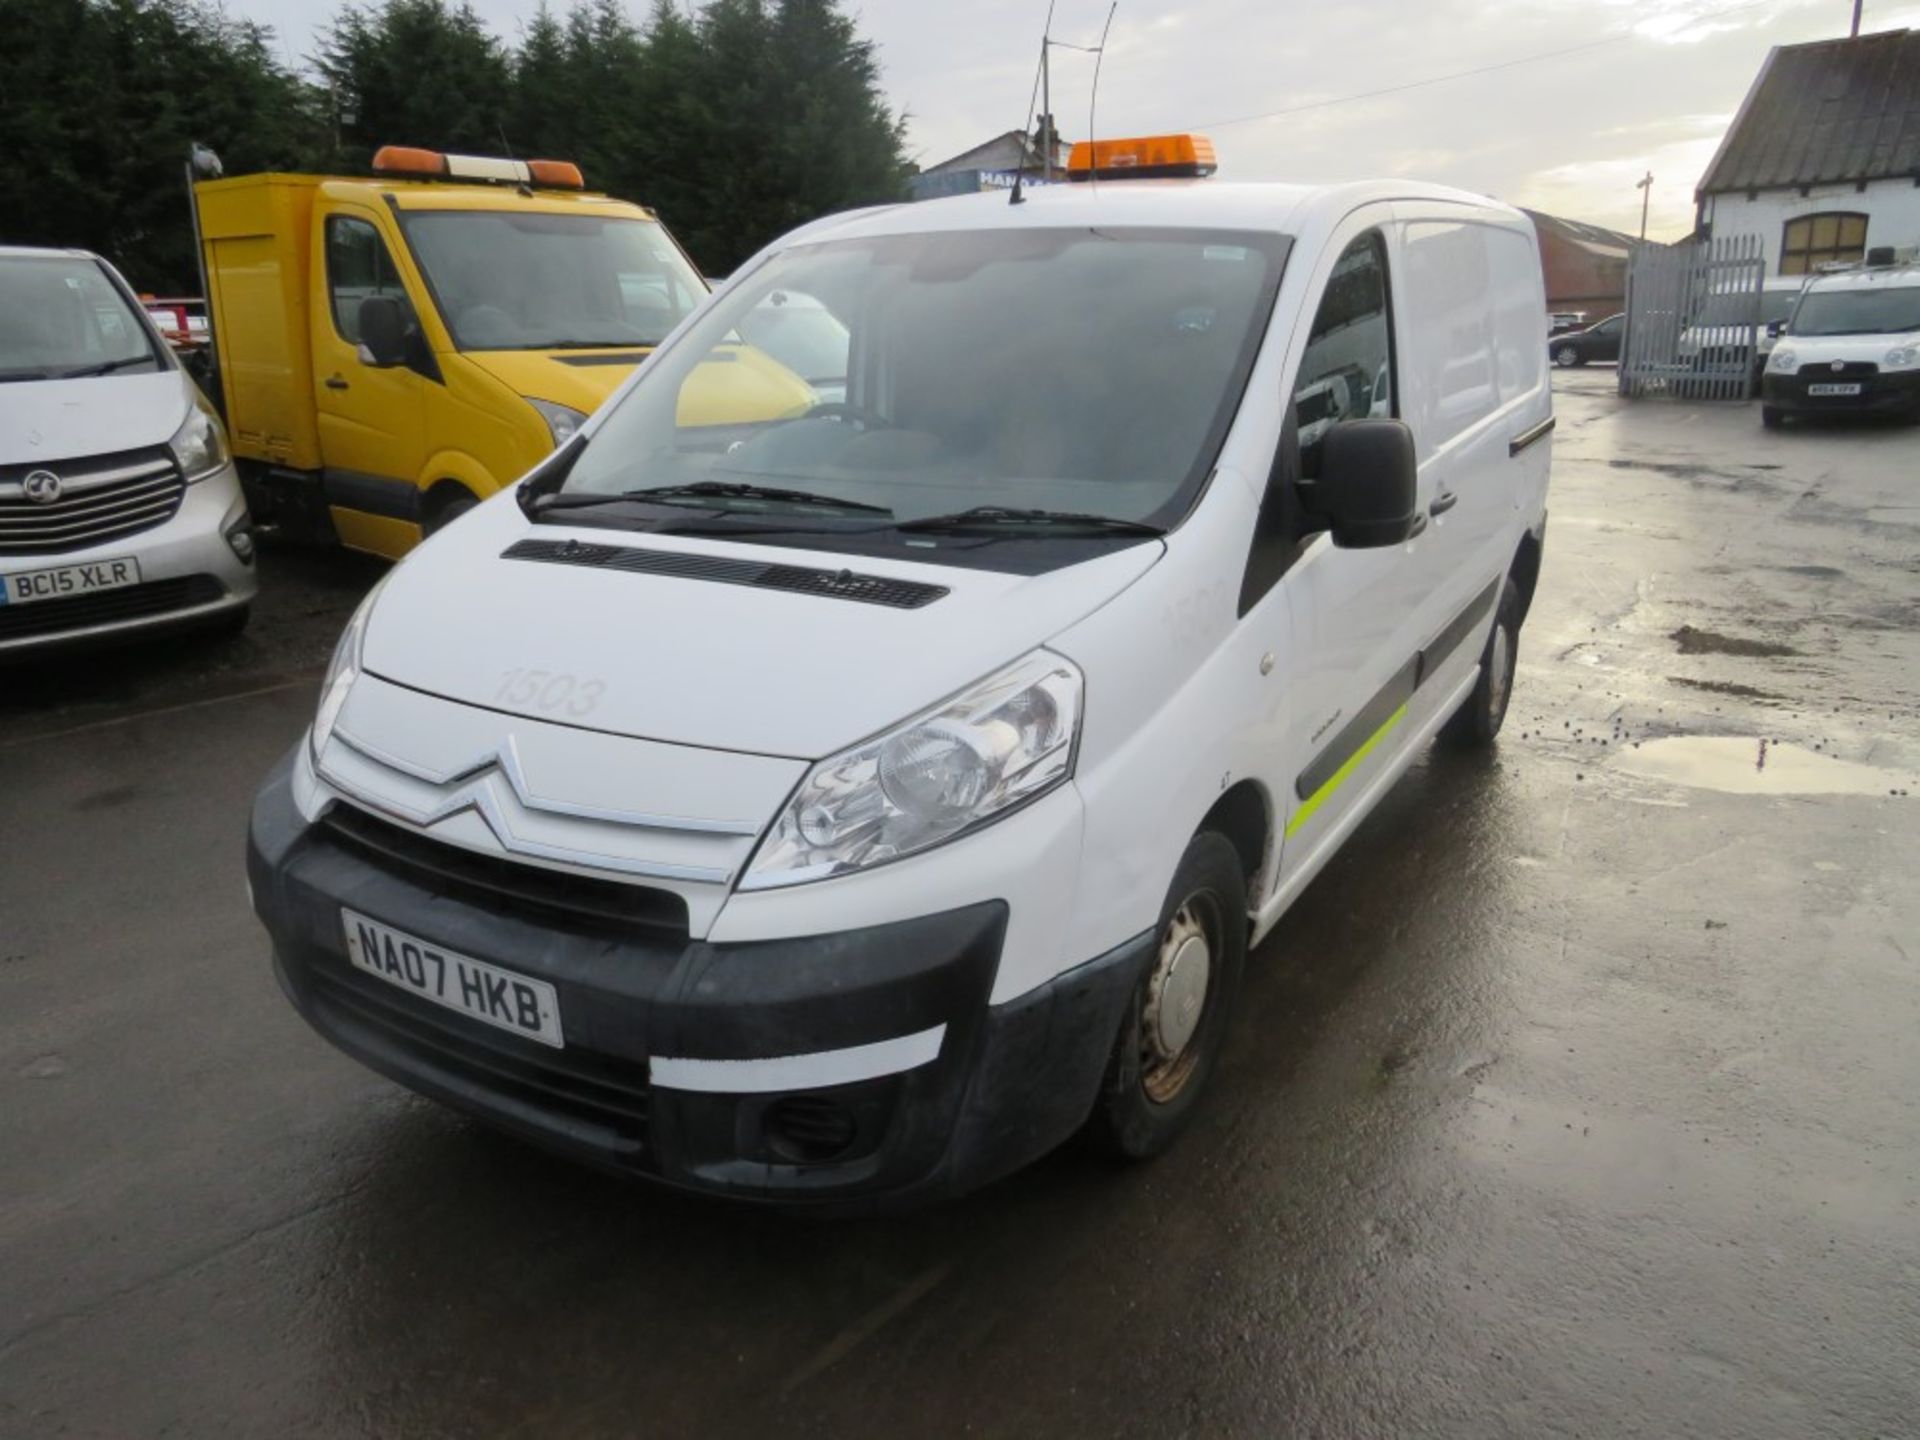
407,160
1143,157
561,174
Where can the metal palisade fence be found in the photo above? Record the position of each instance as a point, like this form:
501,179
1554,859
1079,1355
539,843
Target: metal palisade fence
1693,319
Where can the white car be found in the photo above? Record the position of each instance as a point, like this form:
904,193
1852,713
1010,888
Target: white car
1850,347
848,808
1733,331
120,513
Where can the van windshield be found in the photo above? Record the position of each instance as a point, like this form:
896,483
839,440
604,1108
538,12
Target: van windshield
1864,310
62,318
1091,373
522,280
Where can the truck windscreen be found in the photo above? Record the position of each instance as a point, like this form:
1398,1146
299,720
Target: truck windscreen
521,280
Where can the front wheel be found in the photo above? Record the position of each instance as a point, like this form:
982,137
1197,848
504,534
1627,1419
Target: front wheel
1475,724
1772,417
1177,1021
1566,357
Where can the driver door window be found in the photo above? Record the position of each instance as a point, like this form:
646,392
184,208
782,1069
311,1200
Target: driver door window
1347,371
358,266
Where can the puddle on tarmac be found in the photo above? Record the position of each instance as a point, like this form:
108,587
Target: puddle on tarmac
1742,766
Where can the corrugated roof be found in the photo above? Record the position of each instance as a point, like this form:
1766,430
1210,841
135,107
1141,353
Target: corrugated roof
1834,110
1594,238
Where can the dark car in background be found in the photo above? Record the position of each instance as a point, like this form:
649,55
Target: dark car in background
1596,342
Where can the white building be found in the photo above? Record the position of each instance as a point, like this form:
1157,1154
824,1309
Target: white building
1822,161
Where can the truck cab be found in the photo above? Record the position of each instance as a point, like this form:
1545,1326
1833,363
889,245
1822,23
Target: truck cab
392,351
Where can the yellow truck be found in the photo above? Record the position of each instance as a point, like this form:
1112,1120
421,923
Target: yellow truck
391,351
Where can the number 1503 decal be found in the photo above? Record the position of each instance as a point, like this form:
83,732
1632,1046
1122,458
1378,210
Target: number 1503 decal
550,693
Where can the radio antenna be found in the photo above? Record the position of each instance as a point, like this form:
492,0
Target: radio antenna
1093,98
1020,170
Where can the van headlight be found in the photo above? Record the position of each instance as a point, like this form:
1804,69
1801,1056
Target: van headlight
563,421
994,747
1785,361
342,671
1904,358
199,446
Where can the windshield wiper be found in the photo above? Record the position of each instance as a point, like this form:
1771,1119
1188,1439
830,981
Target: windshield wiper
1003,520
589,345
106,367
704,490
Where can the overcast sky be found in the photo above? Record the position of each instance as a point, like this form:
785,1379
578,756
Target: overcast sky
1652,87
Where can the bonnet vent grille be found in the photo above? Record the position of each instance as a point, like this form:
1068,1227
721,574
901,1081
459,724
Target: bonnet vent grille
829,584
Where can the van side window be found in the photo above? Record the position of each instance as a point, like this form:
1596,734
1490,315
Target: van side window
1347,372
1520,358
358,266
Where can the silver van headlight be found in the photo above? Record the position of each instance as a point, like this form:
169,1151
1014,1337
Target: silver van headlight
199,446
996,746
342,671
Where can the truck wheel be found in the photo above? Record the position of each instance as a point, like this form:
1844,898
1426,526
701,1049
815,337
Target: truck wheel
1772,417
1176,1023
1475,724
459,502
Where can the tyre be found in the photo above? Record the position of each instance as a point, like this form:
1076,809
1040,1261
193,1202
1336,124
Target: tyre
1772,416
445,513
1567,357
1475,724
1177,1020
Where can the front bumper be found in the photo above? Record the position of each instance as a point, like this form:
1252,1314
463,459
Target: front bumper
189,576
702,1065
1887,393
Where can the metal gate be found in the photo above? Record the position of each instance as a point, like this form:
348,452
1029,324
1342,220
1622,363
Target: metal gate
1693,319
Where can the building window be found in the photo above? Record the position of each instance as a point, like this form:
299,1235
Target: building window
1816,240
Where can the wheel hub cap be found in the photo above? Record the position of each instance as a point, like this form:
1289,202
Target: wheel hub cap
1502,663
1178,993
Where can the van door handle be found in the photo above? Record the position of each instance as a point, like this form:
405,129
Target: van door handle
1442,503
335,382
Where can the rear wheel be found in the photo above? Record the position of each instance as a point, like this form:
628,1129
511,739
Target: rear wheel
1566,357
1177,1021
1475,724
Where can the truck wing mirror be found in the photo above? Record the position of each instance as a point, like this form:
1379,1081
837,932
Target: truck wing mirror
383,331
1368,488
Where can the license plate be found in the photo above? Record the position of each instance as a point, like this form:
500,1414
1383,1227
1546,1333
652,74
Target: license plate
500,998
26,586
1833,389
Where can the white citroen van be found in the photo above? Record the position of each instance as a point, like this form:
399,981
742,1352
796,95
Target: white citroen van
120,512
1851,347
850,807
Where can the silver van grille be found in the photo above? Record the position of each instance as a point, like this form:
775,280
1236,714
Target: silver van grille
102,497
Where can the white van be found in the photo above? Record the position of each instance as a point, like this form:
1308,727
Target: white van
120,513
1850,347
854,806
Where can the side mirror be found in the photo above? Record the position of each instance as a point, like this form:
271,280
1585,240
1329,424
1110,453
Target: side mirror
383,331
1774,327
1369,483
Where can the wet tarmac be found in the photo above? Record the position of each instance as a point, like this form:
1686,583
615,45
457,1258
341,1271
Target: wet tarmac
1576,1098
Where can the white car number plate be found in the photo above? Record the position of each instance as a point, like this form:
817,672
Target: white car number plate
1833,389
23,587
516,1003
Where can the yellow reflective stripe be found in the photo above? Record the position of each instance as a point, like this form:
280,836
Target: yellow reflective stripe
1313,801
